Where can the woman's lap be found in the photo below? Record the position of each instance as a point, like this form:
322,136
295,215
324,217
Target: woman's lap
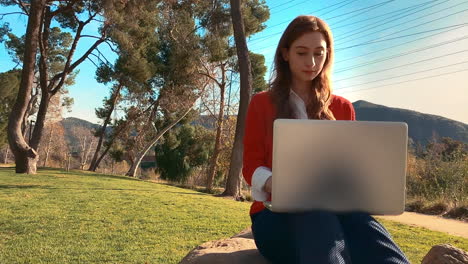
323,237
312,237
368,241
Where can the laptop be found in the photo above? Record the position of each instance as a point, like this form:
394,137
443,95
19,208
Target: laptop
340,166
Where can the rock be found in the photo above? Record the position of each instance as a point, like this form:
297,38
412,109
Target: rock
445,254
238,249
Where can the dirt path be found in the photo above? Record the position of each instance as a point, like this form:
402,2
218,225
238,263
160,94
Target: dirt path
436,223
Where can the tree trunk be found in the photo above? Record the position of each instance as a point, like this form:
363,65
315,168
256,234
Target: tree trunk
90,146
40,120
98,161
83,154
26,157
139,157
234,176
47,151
68,162
217,148
31,103
94,162
7,151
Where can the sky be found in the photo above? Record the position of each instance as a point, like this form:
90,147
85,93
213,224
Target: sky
398,53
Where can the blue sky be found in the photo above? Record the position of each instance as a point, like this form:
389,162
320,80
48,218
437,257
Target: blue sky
406,54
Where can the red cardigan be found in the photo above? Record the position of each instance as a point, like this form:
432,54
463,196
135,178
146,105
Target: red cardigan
258,138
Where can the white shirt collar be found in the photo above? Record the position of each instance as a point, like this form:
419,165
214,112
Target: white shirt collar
297,105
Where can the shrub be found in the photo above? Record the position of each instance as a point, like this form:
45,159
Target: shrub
460,212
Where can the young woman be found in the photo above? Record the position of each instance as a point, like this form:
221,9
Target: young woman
301,88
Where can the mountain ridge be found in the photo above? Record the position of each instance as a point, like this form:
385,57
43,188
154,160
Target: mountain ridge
422,127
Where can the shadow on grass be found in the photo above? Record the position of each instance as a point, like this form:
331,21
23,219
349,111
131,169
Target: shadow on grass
68,188
49,170
47,187
198,193
20,186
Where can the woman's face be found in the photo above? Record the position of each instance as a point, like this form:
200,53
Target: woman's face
306,56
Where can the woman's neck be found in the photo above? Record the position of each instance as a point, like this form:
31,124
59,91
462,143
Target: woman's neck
302,89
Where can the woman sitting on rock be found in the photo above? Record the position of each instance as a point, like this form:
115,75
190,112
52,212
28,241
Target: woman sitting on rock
301,89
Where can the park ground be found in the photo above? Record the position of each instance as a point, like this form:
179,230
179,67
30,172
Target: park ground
70,217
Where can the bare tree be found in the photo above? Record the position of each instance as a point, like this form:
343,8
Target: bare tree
85,144
54,136
5,157
217,75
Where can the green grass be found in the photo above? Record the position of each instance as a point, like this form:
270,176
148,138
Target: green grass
78,217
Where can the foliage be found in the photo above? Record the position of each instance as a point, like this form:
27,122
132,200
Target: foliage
440,173
4,29
61,30
258,72
183,149
446,150
227,143
9,85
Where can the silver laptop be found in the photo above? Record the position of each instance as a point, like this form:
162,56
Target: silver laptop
339,166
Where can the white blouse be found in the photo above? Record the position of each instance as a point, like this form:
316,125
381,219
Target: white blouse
261,174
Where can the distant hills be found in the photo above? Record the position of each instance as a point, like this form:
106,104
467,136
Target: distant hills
70,122
421,127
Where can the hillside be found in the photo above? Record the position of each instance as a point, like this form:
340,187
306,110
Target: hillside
421,127
70,123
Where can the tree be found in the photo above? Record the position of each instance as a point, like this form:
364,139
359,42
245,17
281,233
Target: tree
104,113
86,143
245,68
25,156
176,86
74,16
257,62
55,147
182,150
219,57
54,134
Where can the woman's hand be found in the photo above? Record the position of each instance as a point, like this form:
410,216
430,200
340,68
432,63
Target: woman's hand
267,186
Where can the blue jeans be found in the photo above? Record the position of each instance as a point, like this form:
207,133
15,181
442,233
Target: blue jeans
323,237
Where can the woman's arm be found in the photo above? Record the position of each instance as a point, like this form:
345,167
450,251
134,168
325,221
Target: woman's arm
255,170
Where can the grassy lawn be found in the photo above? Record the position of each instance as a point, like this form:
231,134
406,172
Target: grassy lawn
79,217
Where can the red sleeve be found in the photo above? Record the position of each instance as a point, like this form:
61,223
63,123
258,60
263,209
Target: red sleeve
351,112
254,136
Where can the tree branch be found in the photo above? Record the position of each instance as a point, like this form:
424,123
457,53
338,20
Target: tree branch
93,61
209,110
64,8
90,36
22,5
44,33
110,46
211,77
12,13
101,54
69,68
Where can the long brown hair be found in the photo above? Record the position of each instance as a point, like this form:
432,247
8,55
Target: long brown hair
321,90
